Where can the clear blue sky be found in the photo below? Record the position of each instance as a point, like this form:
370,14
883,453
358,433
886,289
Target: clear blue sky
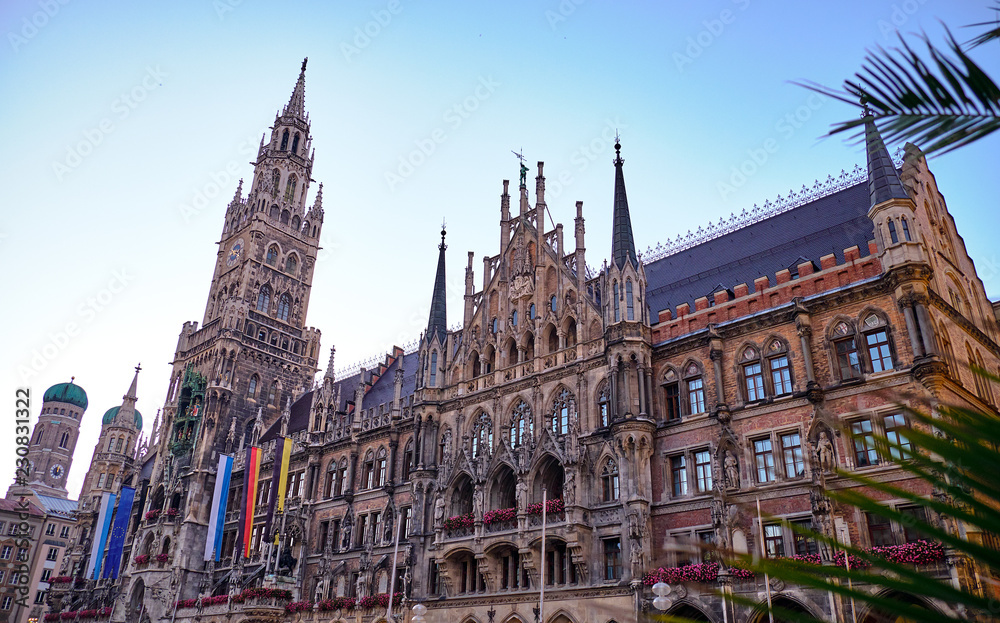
163,97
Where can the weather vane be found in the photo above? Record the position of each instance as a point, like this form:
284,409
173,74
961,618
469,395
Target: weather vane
524,169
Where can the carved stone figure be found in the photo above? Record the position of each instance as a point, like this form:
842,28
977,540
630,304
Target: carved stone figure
478,502
286,563
521,493
824,453
345,540
732,466
569,487
446,447
439,511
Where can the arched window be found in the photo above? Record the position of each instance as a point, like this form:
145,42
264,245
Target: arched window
284,140
111,443
252,387
272,255
603,407
275,180
296,222
845,345
892,232
629,308
906,229
609,482
369,470
407,461
877,342
291,264
380,468
295,144
331,479
250,329
513,319
553,303
494,326
753,375
290,188
38,432
272,393
433,371
531,311
284,304
118,444
264,300
342,477
64,440
559,418
522,427
482,436
614,290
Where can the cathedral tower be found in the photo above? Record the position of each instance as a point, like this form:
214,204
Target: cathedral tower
253,353
53,440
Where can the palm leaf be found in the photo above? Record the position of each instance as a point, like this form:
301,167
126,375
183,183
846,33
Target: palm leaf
941,104
989,35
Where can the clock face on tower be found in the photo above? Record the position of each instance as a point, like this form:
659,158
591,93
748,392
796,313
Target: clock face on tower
235,252
56,471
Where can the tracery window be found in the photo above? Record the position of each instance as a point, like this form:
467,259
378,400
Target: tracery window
284,305
609,482
522,427
482,436
559,418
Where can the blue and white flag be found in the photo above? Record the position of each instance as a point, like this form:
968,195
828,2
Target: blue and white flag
118,531
100,535
217,519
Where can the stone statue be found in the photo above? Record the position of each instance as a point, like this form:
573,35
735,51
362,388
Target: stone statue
345,540
439,511
521,493
446,447
569,487
732,470
824,453
524,174
635,555
478,503
387,526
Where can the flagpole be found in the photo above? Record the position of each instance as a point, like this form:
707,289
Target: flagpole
541,591
763,552
392,577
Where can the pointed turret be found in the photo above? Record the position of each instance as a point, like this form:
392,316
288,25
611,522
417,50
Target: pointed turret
622,242
883,180
437,324
126,415
297,103
328,374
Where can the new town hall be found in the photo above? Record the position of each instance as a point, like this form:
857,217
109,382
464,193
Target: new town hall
651,403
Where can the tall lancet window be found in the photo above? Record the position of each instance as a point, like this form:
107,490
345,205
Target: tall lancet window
629,309
434,363
275,180
284,140
295,144
290,188
618,314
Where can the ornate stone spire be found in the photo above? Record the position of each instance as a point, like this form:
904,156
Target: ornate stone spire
296,104
328,374
437,324
622,242
883,180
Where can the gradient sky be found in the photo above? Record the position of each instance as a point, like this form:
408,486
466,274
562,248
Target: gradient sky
164,97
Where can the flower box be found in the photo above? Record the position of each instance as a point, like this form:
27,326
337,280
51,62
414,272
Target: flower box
551,507
172,512
61,579
337,603
380,601
217,599
161,558
499,515
298,606
152,515
459,521
142,559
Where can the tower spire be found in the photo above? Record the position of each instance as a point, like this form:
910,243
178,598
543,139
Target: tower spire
130,395
883,180
297,103
438,321
622,242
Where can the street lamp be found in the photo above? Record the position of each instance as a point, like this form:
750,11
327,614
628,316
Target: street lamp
661,590
419,611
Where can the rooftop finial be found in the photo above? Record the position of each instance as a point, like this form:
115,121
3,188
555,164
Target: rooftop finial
443,232
304,61
618,149
524,169
296,104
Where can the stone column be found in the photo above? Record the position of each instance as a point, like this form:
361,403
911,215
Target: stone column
911,329
641,378
926,328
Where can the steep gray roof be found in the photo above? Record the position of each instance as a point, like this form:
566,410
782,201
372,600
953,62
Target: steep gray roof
827,225
57,506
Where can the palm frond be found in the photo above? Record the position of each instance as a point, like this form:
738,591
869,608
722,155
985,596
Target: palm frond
989,35
940,104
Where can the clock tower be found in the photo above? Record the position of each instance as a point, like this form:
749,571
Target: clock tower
253,353
52,443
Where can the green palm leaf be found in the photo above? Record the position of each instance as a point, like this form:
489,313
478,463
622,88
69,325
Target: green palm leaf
940,104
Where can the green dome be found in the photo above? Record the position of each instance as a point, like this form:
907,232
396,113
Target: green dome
66,392
110,414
